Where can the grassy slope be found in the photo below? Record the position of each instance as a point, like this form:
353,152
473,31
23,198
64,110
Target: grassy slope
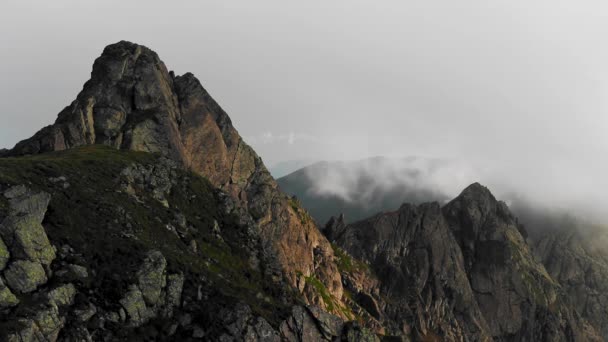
94,217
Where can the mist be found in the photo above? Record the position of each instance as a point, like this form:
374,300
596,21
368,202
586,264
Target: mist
515,92
380,184
360,181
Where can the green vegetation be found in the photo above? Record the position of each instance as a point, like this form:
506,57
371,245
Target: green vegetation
331,303
297,208
346,263
112,229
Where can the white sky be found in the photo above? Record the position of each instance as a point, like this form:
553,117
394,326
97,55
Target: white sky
516,88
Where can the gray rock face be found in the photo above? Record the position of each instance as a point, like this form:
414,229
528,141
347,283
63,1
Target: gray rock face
133,102
62,295
577,259
151,277
511,287
7,298
135,306
313,324
423,281
25,276
21,229
241,325
301,327
175,285
464,271
4,255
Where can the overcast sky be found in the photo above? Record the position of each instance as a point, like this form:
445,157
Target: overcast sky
516,88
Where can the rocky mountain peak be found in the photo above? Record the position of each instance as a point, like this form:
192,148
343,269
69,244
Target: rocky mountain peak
478,191
475,210
132,102
118,60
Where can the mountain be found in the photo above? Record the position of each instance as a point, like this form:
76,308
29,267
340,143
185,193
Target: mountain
362,188
463,271
286,167
133,103
142,215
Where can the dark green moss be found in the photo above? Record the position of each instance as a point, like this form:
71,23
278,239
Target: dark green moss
346,263
331,303
110,230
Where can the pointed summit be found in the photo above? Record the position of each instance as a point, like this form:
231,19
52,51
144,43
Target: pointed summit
132,102
476,190
476,200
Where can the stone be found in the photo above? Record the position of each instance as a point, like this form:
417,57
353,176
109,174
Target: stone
84,313
24,276
25,330
62,295
49,321
22,231
78,272
242,325
417,261
193,246
510,285
151,277
4,255
134,304
330,325
300,326
175,284
7,298
573,255
122,314
78,334
198,332
185,319
355,333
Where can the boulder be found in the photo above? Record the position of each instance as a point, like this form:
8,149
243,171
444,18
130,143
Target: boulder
7,298
25,276
134,304
175,284
25,330
151,277
62,295
4,255
241,325
21,230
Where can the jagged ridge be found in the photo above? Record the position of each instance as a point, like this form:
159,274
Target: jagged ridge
133,102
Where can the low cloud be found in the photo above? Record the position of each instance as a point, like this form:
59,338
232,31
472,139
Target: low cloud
360,181
392,181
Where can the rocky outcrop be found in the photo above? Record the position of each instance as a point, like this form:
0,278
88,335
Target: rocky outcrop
21,229
25,276
423,288
124,268
461,272
26,248
577,259
133,102
29,259
513,289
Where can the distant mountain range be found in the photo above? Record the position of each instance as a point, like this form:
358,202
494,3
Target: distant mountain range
286,167
362,188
